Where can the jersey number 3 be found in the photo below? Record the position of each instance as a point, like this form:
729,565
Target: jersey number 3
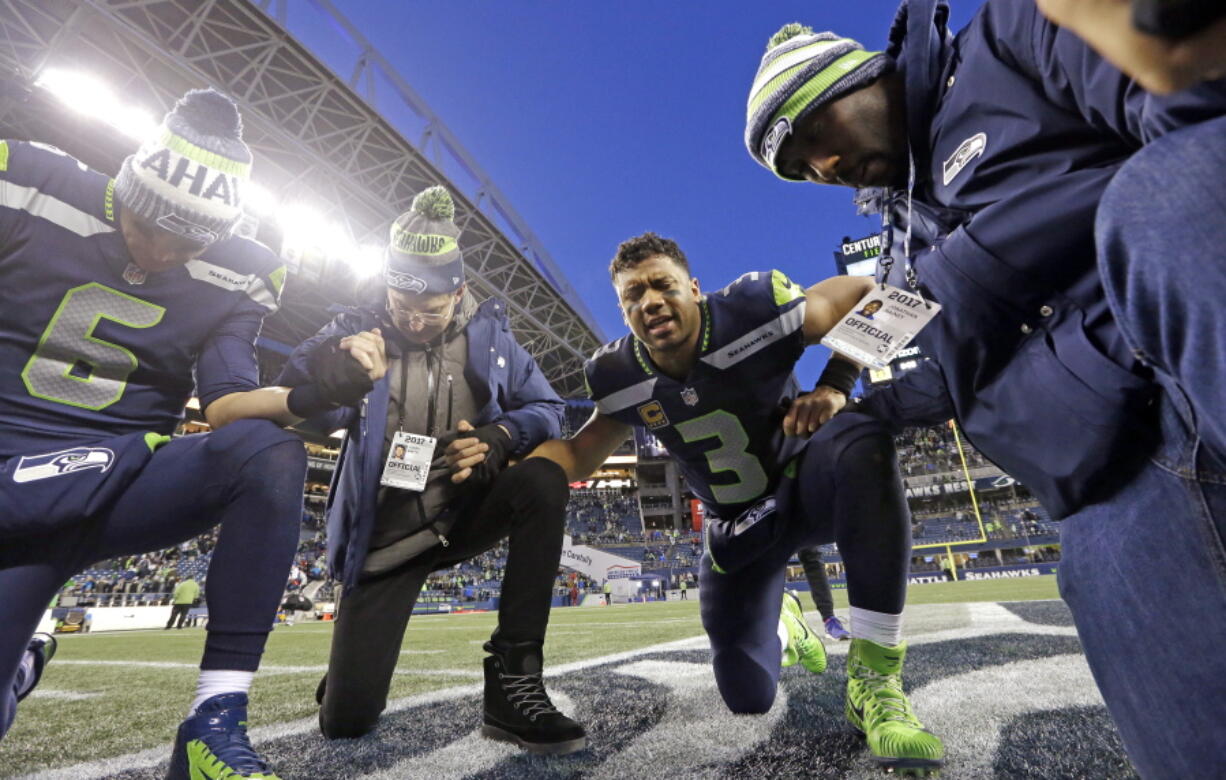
71,366
730,455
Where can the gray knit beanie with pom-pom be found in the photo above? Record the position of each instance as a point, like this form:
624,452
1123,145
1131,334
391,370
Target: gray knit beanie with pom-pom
189,177
424,253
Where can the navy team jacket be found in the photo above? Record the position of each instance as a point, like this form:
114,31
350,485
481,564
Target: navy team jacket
1016,127
504,378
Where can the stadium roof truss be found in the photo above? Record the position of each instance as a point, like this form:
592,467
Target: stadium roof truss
315,136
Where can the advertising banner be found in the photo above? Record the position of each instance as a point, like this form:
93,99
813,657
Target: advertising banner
599,565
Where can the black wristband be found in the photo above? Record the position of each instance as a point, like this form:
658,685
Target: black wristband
306,401
840,374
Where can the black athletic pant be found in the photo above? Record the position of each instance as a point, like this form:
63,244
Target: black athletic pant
819,586
178,612
526,503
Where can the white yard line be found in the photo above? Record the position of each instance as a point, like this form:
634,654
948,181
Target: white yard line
265,669
51,693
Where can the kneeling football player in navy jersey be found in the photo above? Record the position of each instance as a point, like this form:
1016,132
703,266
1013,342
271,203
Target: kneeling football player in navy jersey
117,296
711,377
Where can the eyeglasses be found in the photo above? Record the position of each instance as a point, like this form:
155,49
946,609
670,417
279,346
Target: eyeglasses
425,318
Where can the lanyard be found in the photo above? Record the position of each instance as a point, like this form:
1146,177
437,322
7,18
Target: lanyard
886,262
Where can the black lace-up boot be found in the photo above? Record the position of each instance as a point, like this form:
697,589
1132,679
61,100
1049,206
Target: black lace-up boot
517,708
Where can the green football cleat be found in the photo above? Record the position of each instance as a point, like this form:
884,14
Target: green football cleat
804,645
877,706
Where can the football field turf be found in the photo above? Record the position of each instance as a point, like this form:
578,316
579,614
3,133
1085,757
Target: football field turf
1004,684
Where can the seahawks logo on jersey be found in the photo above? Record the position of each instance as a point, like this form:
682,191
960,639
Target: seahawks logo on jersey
32,468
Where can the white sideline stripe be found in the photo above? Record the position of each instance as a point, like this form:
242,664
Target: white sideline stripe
153,756
421,652
52,209
270,669
45,693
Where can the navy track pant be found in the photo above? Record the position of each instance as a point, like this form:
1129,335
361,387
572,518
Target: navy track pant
247,476
846,488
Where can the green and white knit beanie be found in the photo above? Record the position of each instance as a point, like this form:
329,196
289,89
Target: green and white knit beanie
800,72
424,253
189,177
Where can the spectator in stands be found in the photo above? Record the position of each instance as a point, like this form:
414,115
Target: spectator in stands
455,374
1084,361
185,597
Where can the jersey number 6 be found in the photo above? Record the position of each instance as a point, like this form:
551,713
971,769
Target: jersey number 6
71,366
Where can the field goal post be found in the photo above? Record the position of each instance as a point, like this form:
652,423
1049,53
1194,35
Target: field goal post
970,486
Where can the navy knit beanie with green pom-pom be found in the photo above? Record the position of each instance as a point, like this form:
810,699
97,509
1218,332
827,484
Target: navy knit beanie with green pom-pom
800,72
424,253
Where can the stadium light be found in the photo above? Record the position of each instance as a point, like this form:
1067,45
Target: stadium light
87,95
367,261
258,200
302,226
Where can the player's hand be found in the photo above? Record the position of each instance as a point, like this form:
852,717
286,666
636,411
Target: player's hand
811,411
368,349
341,378
479,457
462,454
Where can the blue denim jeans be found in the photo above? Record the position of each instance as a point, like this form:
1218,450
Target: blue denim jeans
1144,572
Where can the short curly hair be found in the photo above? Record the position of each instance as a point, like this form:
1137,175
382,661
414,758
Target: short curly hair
635,250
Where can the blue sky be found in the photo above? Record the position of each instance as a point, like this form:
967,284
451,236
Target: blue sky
600,120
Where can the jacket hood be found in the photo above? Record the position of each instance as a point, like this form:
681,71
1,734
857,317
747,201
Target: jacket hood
920,42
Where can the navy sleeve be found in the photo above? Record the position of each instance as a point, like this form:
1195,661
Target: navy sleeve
1076,78
42,179
535,410
227,363
917,398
